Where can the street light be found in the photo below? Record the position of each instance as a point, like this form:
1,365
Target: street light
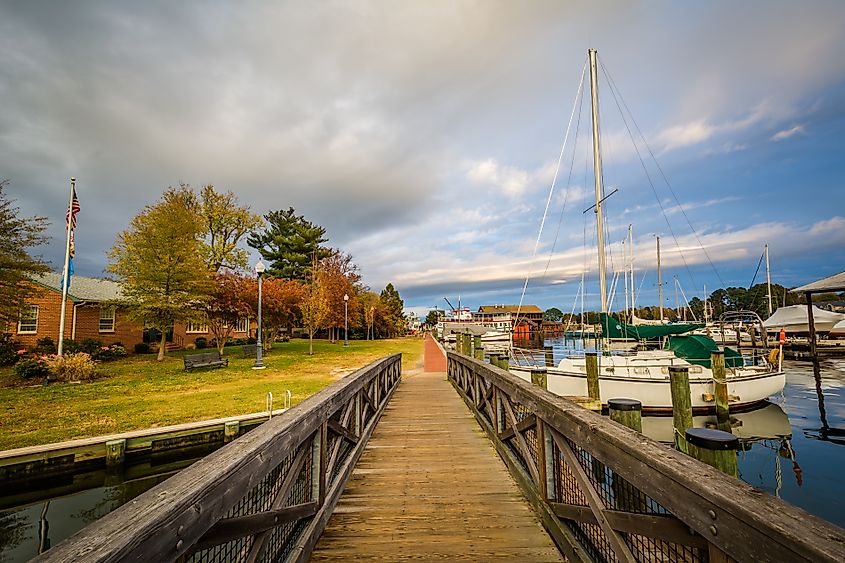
346,319
259,269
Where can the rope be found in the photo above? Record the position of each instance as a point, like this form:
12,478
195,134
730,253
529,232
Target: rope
551,193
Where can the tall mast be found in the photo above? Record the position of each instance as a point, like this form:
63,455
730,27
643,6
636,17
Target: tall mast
594,89
625,273
768,279
706,313
659,280
631,264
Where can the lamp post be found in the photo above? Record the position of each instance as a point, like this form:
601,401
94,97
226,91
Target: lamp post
259,269
346,319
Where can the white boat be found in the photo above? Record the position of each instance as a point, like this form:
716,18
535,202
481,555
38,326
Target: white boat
644,375
793,319
838,330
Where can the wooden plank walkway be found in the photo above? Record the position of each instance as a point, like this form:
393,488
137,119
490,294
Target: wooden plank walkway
430,486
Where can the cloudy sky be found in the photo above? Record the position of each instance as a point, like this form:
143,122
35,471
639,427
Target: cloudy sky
425,136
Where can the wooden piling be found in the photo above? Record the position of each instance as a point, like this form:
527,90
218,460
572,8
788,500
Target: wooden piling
548,352
503,361
627,412
476,345
479,353
539,376
593,376
714,447
720,384
681,404
115,452
231,431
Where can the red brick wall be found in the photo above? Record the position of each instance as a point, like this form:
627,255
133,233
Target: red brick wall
49,313
126,331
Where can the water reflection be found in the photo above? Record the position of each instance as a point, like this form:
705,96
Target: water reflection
38,514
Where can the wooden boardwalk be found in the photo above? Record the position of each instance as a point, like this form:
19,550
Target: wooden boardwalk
430,487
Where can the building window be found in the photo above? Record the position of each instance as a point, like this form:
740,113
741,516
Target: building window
28,321
242,325
196,327
107,315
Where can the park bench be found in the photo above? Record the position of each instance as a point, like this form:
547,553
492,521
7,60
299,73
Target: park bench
249,350
205,360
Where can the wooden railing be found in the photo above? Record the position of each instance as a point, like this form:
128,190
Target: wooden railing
265,497
607,493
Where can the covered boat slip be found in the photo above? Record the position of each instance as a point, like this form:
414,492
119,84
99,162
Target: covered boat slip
835,282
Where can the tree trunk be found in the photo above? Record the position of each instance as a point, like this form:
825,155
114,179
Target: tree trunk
162,345
310,343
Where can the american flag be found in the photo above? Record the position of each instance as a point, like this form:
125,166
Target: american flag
74,209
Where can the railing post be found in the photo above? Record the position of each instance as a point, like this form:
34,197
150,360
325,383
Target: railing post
318,465
681,405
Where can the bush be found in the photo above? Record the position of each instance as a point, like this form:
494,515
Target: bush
70,347
108,353
30,367
142,348
201,342
90,346
44,345
72,367
9,349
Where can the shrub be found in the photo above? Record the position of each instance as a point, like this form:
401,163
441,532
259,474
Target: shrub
72,367
201,342
44,345
32,366
90,346
70,347
9,349
142,348
108,353
251,340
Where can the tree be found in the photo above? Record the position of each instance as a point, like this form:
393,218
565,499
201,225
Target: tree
553,315
393,310
432,318
314,306
289,244
226,224
368,305
226,306
339,277
17,265
280,306
159,261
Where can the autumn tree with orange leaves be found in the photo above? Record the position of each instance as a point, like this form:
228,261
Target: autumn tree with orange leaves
338,276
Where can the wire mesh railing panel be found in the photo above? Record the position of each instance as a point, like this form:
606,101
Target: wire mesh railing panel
261,496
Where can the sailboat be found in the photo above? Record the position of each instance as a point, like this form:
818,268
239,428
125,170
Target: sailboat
644,374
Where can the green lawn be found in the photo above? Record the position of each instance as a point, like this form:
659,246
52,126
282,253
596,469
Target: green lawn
141,393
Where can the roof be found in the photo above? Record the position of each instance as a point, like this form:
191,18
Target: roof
835,282
82,288
509,309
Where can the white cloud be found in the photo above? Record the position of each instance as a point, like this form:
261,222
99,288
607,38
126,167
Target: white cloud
786,133
685,135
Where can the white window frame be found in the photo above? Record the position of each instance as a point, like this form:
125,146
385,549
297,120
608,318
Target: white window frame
242,325
195,327
113,318
21,318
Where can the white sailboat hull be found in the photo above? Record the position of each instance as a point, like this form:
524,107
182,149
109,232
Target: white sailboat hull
645,377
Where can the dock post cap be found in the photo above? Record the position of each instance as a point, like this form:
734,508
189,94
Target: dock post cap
538,369
679,369
624,405
593,353
712,439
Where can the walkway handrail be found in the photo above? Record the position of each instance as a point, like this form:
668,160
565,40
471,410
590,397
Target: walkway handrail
606,493
265,496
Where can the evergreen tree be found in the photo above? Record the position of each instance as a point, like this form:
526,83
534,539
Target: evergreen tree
393,310
17,265
289,244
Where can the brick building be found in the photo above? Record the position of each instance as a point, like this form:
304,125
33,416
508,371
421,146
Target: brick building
93,311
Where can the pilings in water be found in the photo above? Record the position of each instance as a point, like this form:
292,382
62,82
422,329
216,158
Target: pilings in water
627,412
714,447
549,357
681,404
539,376
593,376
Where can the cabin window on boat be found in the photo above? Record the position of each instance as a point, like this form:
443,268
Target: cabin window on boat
28,321
107,319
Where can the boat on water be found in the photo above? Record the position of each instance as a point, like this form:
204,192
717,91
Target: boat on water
643,374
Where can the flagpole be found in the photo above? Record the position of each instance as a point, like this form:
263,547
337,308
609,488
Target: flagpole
65,281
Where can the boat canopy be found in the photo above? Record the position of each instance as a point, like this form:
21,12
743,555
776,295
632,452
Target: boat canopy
793,318
696,349
614,328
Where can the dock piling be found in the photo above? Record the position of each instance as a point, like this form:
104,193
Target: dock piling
539,376
593,376
681,404
720,390
714,447
115,452
627,412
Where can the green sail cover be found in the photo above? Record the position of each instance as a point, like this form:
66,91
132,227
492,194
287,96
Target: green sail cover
614,328
696,349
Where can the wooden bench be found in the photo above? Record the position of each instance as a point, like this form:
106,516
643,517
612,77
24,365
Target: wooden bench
249,350
205,360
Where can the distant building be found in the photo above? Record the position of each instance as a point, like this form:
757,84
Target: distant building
527,318
93,310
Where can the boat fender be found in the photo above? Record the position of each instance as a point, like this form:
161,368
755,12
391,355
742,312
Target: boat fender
773,356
